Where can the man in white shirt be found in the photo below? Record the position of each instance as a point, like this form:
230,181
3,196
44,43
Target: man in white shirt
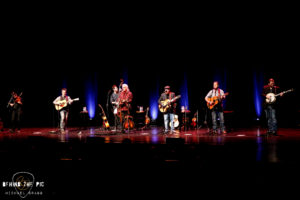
64,112
217,110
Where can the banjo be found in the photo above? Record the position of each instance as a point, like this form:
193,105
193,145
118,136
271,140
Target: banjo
271,97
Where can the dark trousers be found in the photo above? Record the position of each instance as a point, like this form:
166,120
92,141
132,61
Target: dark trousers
116,121
16,118
215,114
271,118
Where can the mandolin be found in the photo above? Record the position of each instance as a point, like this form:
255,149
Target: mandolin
105,120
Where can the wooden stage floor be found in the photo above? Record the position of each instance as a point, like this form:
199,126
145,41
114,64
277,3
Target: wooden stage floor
147,163
151,135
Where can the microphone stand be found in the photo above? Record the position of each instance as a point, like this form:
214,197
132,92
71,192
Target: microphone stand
107,102
198,127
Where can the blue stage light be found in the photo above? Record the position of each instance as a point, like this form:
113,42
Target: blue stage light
91,96
258,86
184,101
154,96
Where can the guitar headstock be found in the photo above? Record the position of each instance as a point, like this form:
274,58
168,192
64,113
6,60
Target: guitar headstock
101,108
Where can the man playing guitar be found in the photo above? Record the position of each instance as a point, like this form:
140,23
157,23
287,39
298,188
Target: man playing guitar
124,101
170,112
217,110
64,112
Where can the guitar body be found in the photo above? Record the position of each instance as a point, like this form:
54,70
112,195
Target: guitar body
147,119
104,118
105,122
63,103
166,104
215,101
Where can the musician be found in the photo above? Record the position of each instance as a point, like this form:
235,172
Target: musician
114,102
169,115
125,99
217,111
270,109
64,112
16,104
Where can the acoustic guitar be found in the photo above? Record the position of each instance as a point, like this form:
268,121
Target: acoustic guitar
147,118
213,101
166,104
105,120
63,103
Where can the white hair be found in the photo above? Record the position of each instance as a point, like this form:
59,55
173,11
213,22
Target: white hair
125,85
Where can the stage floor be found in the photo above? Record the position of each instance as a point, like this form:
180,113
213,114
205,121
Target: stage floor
144,162
152,135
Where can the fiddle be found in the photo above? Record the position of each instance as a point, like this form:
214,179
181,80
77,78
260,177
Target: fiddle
16,99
